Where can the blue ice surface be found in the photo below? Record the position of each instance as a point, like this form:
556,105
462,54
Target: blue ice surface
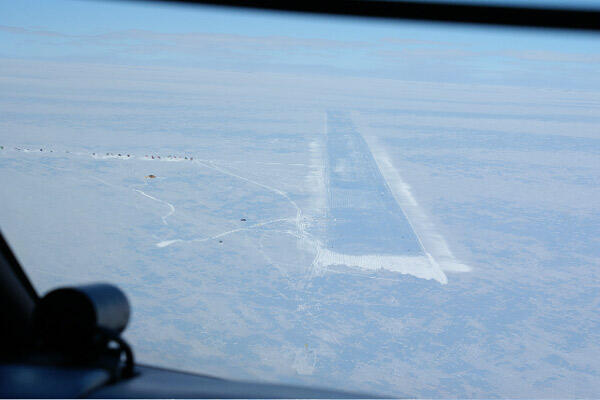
363,216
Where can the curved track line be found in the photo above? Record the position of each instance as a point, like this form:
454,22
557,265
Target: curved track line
166,243
299,223
171,208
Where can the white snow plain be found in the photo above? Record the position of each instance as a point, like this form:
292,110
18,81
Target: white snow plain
476,274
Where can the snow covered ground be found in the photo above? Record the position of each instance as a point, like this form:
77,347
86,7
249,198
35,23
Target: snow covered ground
390,235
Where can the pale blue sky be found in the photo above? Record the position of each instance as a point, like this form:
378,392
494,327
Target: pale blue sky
155,34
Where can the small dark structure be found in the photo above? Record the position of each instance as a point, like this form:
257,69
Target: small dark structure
243,219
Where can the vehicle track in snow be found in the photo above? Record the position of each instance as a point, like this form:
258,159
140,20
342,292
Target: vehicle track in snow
171,207
166,243
298,220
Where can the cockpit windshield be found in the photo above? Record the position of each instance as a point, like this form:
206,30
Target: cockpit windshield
400,208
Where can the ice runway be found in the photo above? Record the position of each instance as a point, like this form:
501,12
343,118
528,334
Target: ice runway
366,226
363,216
